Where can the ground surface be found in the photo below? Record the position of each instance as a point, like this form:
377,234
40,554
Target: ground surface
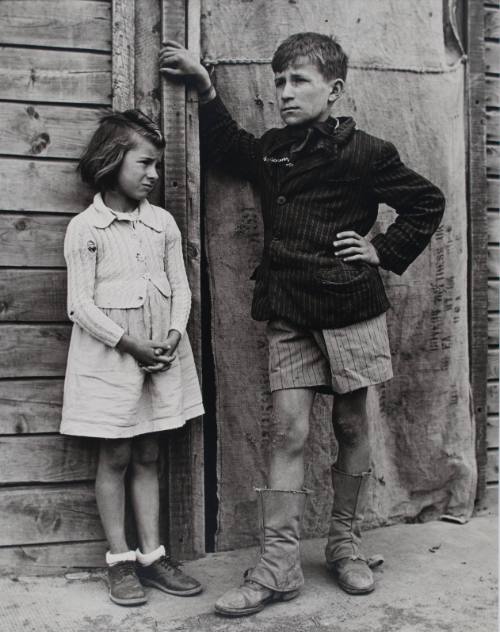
437,577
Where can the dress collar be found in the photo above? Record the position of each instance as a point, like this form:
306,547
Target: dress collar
102,216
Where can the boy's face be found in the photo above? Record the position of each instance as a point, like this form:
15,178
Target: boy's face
304,95
138,172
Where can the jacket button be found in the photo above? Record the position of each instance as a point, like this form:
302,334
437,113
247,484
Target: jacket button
281,200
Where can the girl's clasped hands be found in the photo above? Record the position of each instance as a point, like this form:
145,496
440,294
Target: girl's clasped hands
152,356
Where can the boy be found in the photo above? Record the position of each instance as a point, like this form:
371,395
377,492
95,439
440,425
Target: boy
318,286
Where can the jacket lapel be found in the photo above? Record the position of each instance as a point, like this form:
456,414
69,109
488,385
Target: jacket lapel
333,139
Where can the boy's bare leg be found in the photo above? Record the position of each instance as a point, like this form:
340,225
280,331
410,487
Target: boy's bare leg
350,478
114,457
290,417
278,573
145,491
350,423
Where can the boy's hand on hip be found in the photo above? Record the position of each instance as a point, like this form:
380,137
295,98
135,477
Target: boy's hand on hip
350,246
177,61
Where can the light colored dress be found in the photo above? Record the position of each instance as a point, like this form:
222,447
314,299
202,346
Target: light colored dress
126,275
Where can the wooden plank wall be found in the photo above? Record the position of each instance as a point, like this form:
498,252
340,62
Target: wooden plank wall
55,73
492,68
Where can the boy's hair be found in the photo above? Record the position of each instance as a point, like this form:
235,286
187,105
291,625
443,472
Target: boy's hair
101,160
321,50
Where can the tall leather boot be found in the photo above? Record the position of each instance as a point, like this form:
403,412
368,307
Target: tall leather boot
343,554
278,573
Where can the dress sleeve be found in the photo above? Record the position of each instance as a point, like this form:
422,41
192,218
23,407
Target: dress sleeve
224,143
418,203
177,277
80,252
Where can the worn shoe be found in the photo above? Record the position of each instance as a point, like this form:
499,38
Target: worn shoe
249,599
166,575
353,575
124,586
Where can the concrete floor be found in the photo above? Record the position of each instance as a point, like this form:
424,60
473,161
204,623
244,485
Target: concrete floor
437,576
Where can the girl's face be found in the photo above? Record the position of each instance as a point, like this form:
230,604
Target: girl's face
138,172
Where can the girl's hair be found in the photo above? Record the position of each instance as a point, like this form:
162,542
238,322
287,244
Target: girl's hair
322,50
101,160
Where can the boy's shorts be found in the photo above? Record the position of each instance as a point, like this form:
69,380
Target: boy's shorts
329,360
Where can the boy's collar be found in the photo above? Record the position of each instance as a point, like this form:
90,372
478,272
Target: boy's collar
102,216
337,131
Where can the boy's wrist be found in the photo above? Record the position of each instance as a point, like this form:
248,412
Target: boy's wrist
203,82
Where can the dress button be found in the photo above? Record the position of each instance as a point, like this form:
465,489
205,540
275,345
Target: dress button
281,199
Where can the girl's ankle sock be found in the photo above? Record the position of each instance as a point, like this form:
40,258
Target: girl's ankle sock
115,558
146,559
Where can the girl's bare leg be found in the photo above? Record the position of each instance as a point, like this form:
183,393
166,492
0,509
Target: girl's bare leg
145,491
114,457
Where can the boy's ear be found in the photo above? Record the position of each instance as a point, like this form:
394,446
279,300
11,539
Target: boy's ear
337,89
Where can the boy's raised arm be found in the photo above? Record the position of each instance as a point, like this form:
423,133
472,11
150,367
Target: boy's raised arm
222,141
418,203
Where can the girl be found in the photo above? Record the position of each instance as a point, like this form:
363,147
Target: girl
130,371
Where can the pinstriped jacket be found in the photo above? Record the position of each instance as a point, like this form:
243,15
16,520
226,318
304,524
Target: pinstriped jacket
307,202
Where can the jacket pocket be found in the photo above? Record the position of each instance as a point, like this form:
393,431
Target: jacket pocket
343,277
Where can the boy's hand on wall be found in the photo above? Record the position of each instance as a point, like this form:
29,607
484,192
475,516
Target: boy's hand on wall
353,247
177,61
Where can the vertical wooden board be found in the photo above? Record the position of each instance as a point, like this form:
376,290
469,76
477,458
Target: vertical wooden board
32,240
147,47
426,406
47,75
32,295
38,515
41,185
56,23
52,559
46,459
123,54
147,79
53,131
180,18
30,406
33,350
478,228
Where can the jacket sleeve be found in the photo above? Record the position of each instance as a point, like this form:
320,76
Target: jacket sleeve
80,252
224,144
177,277
418,203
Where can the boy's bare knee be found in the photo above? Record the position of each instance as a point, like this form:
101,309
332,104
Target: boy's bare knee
289,432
